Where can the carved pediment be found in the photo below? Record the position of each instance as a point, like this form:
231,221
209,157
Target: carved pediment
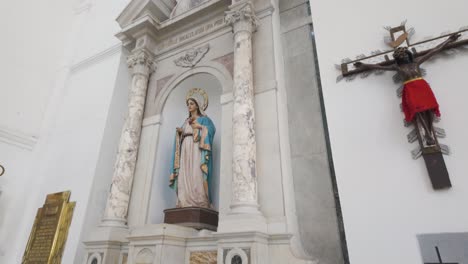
158,10
185,6
145,23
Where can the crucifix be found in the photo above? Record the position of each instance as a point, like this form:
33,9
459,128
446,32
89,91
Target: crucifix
419,104
440,259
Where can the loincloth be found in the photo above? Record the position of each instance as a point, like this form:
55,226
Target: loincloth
418,97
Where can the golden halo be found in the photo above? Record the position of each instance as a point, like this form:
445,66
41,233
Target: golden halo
197,94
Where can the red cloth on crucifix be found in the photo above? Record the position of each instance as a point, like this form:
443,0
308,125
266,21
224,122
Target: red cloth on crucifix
418,97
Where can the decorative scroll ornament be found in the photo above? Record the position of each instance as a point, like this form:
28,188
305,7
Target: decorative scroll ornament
192,57
243,13
198,94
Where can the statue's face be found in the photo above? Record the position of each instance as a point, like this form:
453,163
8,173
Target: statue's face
191,105
401,55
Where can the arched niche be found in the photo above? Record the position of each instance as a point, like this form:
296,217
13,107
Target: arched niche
173,112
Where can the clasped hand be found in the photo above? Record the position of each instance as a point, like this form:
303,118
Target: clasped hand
194,123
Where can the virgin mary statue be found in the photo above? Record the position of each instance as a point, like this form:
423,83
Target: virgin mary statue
191,159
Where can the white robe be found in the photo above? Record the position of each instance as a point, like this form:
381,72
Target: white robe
190,187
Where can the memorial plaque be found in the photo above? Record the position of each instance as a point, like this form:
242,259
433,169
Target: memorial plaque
50,229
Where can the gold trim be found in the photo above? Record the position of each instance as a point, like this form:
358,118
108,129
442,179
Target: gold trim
412,80
204,134
172,179
173,176
204,168
196,136
177,152
205,186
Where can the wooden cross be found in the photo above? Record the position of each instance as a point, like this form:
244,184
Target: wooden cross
418,101
440,259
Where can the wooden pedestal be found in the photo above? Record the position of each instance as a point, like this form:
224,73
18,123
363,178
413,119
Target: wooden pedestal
195,217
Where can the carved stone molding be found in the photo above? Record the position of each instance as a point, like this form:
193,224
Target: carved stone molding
235,256
141,62
242,17
192,56
17,139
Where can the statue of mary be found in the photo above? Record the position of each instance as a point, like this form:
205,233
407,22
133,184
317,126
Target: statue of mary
191,159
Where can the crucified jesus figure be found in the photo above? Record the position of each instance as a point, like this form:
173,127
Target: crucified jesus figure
418,100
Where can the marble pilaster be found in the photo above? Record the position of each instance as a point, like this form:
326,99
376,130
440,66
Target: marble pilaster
141,64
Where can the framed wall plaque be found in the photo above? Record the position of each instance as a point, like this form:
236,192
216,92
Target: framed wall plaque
50,229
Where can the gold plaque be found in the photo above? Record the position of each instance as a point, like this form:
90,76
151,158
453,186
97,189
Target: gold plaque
50,230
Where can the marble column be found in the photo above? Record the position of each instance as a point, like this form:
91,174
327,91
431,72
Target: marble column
244,178
141,66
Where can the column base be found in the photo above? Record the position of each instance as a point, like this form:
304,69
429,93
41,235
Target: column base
234,223
114,222
245,208
105,244
243,217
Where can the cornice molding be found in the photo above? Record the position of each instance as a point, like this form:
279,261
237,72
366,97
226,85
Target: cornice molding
91,60
17,139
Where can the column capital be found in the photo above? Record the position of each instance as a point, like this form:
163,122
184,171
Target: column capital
242,16
141,62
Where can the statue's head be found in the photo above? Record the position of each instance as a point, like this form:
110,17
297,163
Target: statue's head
403,56
193,105
197,98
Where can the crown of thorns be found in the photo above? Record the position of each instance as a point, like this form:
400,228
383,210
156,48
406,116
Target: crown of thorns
399,52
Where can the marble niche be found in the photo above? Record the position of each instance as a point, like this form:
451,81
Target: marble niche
212,45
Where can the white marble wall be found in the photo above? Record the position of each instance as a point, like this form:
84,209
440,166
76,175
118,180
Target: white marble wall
78,96
315,201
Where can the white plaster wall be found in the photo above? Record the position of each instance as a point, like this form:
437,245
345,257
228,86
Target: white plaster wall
174,114
32,48
108,153
68,159
98,30
386,197
13,189
62,85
